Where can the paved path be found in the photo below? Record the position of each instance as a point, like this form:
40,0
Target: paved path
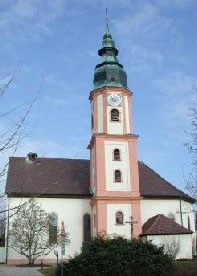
19,271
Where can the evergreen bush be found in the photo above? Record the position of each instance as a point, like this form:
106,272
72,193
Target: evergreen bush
118,257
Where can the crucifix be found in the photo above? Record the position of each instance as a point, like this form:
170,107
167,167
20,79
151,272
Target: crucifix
131,222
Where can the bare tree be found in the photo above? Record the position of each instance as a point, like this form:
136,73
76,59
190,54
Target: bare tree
29,233
171,246
11,135
191,181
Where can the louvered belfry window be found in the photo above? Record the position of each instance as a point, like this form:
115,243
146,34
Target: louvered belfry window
117,176
117,155
115,115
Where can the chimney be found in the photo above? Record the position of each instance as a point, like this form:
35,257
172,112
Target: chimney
32,156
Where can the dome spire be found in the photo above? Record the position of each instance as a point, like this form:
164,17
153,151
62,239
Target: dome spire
107,31
109,72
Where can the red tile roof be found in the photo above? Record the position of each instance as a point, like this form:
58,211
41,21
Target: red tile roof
161,225
153,185
48,176
71,177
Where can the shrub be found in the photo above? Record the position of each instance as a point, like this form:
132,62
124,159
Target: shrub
117,257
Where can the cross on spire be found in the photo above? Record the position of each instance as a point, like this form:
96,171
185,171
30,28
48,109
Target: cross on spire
107,31
106,16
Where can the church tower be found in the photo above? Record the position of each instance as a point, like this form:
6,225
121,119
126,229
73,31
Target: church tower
113,156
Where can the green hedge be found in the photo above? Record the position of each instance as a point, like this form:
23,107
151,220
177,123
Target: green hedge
118,257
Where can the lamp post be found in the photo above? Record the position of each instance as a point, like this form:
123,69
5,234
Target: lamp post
63,242
56,254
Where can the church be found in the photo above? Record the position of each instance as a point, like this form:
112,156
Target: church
113,192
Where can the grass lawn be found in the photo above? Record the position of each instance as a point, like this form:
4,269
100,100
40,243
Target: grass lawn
49,271
183,268
186,268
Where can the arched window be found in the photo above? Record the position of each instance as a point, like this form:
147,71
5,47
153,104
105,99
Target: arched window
119,218
86,228
117,176
117,155
115,115
52,228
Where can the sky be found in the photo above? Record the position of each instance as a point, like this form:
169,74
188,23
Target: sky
51,49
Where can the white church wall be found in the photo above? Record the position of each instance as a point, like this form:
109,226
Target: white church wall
167,207
185,242
187,210
112,227
111,166
2,254
70,211
100,112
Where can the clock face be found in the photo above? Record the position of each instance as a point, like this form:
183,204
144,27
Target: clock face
114,99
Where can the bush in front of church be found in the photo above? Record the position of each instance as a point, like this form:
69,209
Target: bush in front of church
105,256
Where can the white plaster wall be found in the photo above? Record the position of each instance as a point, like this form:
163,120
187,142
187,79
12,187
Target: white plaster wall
112,228
152,207
70,211
187,210
185,242
111,166
2,254
127,110
100,112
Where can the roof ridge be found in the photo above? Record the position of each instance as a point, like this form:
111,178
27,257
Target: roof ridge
57,158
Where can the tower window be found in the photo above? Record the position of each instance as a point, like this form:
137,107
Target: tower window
116,155
115,115
52,228
117,176
119,218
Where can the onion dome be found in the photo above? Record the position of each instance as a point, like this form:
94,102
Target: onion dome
109,72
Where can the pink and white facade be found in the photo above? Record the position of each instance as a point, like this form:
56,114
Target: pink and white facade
109,196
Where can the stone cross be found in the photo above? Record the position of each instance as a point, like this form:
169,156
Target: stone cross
131,222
